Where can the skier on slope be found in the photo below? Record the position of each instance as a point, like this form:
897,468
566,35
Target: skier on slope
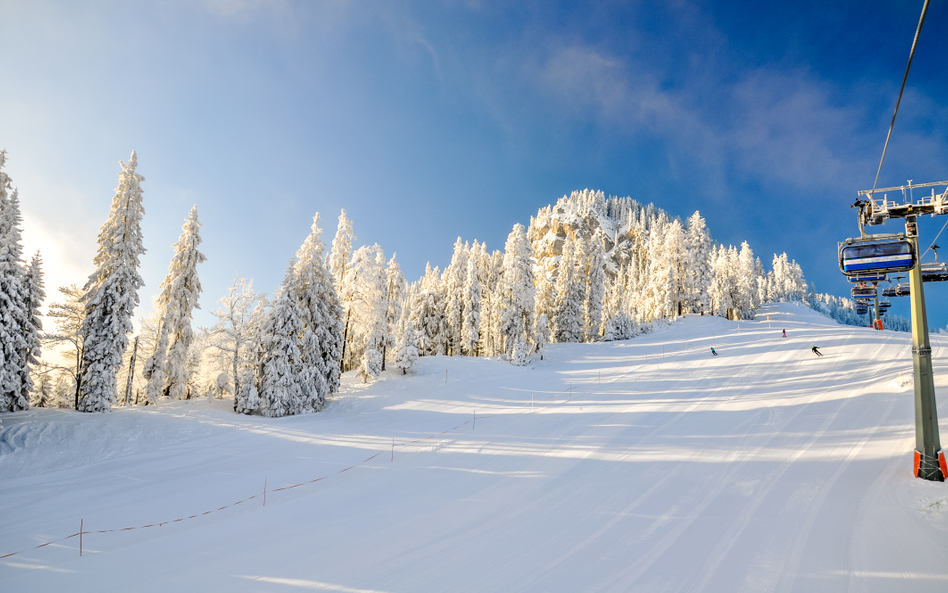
713,353
816,351
785,333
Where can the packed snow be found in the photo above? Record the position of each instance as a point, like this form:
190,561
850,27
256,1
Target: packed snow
640,465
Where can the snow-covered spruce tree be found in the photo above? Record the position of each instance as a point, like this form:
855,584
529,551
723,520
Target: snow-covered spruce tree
246,399
491,304
542,334
279,383
179,295
747,283
517,292
570,294
111,293
595,288
153,370
699,248
453,282
406,350
471,303
19,337
341,250
321,315
427,312
395,298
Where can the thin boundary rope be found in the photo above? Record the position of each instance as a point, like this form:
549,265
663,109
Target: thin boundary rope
918,32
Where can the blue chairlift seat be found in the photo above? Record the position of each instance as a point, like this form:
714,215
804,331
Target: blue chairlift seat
864,259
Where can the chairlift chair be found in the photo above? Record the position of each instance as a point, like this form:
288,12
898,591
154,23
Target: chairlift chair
873,256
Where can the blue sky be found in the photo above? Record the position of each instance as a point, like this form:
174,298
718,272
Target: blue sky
429,120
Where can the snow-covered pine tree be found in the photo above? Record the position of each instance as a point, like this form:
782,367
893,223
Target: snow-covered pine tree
179,296
111,293
395,298
453,280
279,384
321,315
406,349
36,294
542,334
341,250
699,248
471,305
747,283
18,335
428,312
491,299
595,288
246,400
517,292
153,370
570,294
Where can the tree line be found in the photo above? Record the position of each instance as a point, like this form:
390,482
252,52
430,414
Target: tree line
589,268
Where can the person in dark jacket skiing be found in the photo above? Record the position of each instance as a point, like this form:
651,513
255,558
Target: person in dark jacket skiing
785,333
816,351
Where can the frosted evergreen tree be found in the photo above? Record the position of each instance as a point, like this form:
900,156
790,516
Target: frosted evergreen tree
542,334
111,293
517,292
246,399
471,305
406,350
36,294
321,315
452,282
341,250
491,304
395,298
428,312
279,382
595,289
570,294
699,247
19,336
179,296
747,283
153,370
520,353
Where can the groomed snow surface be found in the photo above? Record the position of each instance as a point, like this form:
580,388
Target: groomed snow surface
604,467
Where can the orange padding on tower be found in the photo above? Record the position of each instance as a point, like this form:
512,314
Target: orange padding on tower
942,465
918,463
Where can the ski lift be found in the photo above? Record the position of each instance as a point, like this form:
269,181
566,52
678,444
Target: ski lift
861,308
884,305
862,257
935,272
864,292
899,290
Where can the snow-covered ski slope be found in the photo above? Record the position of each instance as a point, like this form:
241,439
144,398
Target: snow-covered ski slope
605,467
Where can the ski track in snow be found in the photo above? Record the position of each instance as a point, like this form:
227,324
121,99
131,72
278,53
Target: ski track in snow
645,465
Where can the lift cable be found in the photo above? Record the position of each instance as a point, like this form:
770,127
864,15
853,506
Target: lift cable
933,240
904,78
